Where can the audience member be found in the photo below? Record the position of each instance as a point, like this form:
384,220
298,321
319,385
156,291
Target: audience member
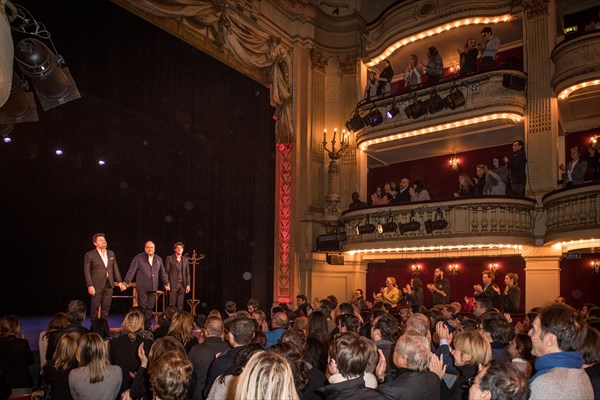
496,179
480,177
384,332
76,311
356,202
468,57
516,168
574,172
489,290
390,294
252,305
301,370
435,66
499,331
482,306
15,356
266,376
181,329
378,198
303,305
591,358
94,378
511,297
359,299
384,86
56,372
403,195
170,377
557,334
418,192
279,324
488,52
164,322
414,294
594,158
465,186
371,88
58,322
224,385
413,73
520,352
500,380
440,288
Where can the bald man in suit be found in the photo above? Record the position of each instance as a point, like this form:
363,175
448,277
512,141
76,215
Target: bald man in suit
101,273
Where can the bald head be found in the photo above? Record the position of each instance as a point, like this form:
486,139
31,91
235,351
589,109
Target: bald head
280,320
149,248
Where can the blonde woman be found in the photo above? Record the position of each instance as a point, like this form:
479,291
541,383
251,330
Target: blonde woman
123,349
95,379
471,352
56,372
390,294
181,329
266,376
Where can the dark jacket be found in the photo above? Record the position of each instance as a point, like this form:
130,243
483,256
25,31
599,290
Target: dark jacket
403,383
123,352
516,167
15,356
220,365
58,382
353,389
201,355
146,275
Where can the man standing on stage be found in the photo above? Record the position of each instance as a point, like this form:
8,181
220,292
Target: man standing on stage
178,272
440,288
101,272
146,268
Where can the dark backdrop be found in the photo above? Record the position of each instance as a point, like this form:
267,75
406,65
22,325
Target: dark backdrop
189,151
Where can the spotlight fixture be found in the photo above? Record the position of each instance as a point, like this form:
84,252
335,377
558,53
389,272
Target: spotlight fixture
392,111
453,269
438,224
454,99
415,110
415,269
368,227
410,226
435,103
5,131
101,163
373,118
59,152
20,105
389,226
355,123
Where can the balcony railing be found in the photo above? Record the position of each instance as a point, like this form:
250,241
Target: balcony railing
474,220
573,213
576,60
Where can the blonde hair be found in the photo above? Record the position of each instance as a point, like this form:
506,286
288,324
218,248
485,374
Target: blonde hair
474,344
181,326
133,323
267,376
66,350
92,353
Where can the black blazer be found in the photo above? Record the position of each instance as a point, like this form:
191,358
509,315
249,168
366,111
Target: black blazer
171,267
146,275
95,271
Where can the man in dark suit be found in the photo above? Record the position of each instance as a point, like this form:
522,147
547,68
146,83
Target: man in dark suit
489,290
146,267
101,274
178,272
403,195
574,172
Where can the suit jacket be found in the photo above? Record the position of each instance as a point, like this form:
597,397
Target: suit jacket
403,196
171,267
146,275
201,356
96,273
490,293
577,175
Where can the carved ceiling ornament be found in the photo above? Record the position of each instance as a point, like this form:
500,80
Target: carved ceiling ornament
348,64
535,8
319,59
245,38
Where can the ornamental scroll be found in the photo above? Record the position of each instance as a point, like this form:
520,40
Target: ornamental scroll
243,37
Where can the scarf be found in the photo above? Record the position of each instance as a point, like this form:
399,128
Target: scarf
565,359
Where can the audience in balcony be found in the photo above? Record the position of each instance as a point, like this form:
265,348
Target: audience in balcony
573,174
496,179
594,161
516,168
468,56
403,195
378,198
371,89
435,66
413,73
393,192
480,177
384,86
488,52
356,202
418,192
466,187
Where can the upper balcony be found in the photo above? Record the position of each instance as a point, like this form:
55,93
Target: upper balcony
494,222
573,214
576,80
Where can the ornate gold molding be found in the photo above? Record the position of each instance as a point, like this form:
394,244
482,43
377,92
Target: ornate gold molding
348,64
319,59
535,8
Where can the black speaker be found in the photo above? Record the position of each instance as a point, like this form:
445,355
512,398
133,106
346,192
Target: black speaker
332,242
513,82
335,259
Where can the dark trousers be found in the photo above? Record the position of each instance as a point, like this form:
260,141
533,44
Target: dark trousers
176,297
102,299
146,302
518,188
487,61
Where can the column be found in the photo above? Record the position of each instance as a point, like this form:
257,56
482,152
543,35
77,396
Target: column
542,276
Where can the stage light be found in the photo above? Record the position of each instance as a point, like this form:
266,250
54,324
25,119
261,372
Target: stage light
415,110
373,118
393,110
355,123
409,227
20,105
101,162
59,152
454,99
389,226
434,103
368,227
5,130
438,224
47,73
7,139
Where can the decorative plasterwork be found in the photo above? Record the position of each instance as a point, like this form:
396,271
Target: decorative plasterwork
535,8
575,61
348,64
319,59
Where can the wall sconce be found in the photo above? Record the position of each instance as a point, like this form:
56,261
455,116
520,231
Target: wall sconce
454,163
493,267
595,264
453,269
595,139
415,269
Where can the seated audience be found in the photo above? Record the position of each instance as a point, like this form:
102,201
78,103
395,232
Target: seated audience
591,358
520,352
500,380
418,192
170,377
224,386
181,329
58,322
480,177
15,356
56,372
266,376
466,187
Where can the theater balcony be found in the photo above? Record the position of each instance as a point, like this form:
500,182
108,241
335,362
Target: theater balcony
478,223
576,80
573,214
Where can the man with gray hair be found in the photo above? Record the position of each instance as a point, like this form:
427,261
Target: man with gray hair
279,324
202,354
